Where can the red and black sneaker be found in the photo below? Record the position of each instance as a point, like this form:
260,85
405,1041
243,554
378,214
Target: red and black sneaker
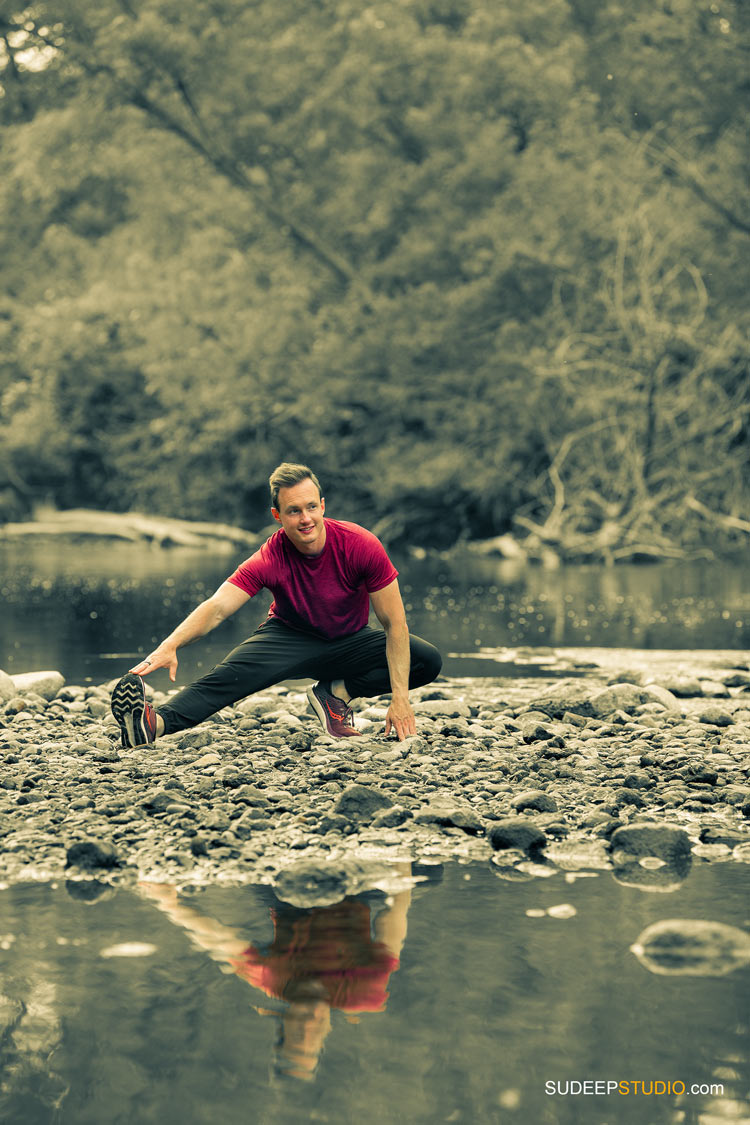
136,717
335,715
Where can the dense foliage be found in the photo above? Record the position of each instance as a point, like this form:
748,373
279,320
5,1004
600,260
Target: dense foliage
483,265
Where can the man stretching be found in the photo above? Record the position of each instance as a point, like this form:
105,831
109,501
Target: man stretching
324,575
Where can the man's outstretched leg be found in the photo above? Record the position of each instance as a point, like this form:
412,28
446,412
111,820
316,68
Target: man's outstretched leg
274,652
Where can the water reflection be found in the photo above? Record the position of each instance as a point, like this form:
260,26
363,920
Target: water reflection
330,957
497,993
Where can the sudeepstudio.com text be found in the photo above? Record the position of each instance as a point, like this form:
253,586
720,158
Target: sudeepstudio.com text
592,1087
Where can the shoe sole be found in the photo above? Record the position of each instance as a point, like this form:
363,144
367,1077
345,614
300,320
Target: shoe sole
129,707
319,710
317,707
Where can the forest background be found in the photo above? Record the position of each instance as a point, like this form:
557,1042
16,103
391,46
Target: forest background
483,265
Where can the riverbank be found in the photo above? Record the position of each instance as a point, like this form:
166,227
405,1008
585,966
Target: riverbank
528,775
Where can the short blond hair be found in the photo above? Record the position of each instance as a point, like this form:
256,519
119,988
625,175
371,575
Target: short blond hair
285,475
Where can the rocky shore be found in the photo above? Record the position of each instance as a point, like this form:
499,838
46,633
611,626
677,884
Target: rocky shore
632,763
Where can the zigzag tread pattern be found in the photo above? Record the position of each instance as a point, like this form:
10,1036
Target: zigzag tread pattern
127,697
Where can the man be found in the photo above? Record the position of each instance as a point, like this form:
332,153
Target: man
324,575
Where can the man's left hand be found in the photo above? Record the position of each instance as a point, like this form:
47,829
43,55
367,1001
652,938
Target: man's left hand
400,718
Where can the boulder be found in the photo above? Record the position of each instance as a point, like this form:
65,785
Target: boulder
46,684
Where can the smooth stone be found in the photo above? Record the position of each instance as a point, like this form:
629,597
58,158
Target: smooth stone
715,688
535,799
46,684
642,839
681,686
716,716
627,697
517,832
692,947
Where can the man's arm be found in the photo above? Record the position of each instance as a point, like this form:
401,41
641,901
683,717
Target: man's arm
205,617
389,610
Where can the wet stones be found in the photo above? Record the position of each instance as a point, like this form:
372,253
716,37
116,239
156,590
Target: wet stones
517,832
92,855
654,856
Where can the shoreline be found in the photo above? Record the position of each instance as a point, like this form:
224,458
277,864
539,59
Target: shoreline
528,774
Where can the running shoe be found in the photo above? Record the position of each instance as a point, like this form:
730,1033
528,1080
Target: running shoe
136,717
335,715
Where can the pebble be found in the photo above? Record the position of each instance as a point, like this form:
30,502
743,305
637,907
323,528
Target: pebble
580,777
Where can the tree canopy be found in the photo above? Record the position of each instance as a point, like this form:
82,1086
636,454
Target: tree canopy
484,266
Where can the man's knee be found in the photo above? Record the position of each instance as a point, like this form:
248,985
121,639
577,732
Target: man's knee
429,663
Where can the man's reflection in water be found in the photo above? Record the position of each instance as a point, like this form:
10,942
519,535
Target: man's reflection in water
322,958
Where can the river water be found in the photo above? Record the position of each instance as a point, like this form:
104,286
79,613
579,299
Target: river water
123,1007
90,610
490,1009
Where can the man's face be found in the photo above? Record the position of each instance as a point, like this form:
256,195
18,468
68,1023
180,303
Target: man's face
300,513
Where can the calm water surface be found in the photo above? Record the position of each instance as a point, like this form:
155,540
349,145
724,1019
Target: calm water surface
90,610
446,1003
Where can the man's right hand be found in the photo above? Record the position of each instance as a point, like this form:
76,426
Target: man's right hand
165,656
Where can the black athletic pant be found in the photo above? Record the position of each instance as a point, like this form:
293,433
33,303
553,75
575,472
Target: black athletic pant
277,652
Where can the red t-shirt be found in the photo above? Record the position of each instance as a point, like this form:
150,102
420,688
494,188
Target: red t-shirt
327,594
331,945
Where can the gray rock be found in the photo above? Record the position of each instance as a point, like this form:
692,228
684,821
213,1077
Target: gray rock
663,841
683,687
157,800
570,695
309,883
654,857
7,688
445,708
692,947
628,697
392,818
91,854
448,813
46,684
715,688
535,799
517,832
736,679
716,716
360,804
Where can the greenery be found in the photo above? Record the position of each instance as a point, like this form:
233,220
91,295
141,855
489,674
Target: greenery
483,265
